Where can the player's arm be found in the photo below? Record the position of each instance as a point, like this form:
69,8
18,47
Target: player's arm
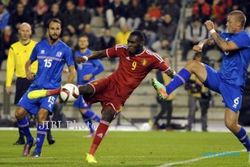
33,57
95,55
223,44
10,70
202,43
72,74
170,73
29,74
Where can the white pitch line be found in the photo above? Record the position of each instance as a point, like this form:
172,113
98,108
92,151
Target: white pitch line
200,158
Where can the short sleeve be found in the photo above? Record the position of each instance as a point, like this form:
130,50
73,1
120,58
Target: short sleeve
242,39
112,52
160,64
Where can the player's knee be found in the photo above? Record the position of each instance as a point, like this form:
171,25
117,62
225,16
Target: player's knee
108,114
86,90
191,65
20,113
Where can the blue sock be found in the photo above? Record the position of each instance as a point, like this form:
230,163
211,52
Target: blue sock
41,132
178,80
243,138
91,115
91,127
23,124
88,122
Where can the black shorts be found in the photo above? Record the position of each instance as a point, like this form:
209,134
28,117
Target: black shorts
22,85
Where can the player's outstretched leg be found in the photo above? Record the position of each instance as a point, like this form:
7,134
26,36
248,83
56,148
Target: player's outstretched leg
160,89
178,80
108,114
35,94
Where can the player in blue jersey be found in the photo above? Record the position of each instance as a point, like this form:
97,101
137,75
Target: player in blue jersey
229,81
86,72
52,54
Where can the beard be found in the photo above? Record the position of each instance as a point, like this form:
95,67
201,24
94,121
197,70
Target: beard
54,37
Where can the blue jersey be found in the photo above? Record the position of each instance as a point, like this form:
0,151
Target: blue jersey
235,63
51,61
93,66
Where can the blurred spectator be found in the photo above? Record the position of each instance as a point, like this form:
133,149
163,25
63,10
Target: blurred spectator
201,9
194,33
106,40
173,9
245,9
18,16
148,26
67,39
74,20
220,10
166,33
115,13
28,5
135,13
93,40
54,12
122,36
40,10
238,4
4,16
96,7
154,11
7,39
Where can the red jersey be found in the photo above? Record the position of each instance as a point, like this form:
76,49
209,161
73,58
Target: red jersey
133,69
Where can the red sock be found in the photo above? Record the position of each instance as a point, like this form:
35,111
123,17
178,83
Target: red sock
99,135
53,92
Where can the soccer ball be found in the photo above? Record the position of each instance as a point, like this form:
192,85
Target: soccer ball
69,92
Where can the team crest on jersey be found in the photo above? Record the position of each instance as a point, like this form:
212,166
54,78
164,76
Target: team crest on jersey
42,51
144,62
128,58
95,83
58,54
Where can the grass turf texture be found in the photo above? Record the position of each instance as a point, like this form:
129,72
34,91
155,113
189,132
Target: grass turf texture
130,149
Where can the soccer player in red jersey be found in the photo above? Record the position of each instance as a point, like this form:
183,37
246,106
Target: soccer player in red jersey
135,63
112,91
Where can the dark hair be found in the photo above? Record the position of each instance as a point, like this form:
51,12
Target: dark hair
241,17
54,20
83,35
139,34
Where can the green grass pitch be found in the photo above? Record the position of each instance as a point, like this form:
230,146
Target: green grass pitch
128,149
